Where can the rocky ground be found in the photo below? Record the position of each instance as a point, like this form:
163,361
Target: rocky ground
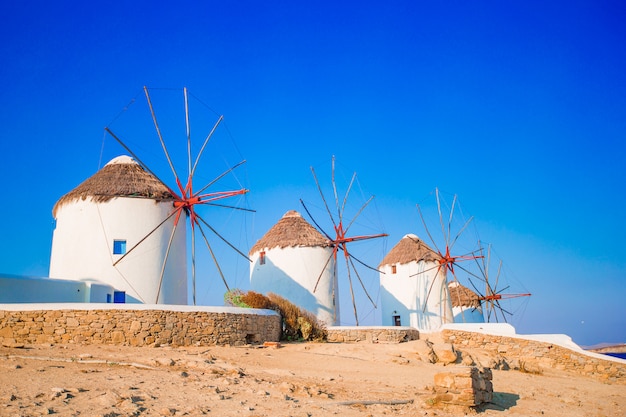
300,379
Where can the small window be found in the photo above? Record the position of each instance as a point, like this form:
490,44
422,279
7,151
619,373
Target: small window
396,321
119,247
119,296
393,269
262,258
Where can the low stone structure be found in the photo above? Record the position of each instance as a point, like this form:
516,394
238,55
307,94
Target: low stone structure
136,324
465,386
371,334
525,354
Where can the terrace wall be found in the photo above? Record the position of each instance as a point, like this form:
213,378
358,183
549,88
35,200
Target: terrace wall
535,355
131,325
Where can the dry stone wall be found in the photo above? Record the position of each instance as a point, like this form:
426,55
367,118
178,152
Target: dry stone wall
468,386
375,334
534,356
138,327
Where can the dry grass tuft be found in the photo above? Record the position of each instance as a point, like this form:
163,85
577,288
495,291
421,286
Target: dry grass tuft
298,324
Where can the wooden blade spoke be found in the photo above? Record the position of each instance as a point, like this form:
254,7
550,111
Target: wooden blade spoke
443,230
217,265
222,238
314,222
461,267
148,235
193,263
139,161
356,316
356,272
498,274
167,255
488,260
227,206
450,218
461,231
332,178
500,291
206,140
359,213
158,130
430,288
345,197
219,177
319,188
362,263
332,255
473,286
188,133
426,228
503,310
426,270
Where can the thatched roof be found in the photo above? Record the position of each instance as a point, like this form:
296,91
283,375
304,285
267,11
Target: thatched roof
410,249
121,177
290,231
461,296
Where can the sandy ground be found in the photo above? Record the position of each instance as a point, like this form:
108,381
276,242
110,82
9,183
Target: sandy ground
304,379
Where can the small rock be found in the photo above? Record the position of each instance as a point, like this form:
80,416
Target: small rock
165,361
167,411
286,387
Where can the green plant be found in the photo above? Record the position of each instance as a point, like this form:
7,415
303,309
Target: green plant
233,298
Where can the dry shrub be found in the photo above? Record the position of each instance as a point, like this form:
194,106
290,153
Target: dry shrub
298,324
256,300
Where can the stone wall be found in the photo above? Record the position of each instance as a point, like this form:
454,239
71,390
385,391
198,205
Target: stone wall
468,386
376,334
138,327
534,356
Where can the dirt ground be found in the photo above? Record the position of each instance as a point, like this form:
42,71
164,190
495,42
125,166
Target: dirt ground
300,379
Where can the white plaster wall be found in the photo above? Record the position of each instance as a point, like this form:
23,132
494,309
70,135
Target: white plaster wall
468,315
82,248
19,289
292,273
407,294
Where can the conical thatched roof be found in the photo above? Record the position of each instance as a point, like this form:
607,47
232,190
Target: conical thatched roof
121,177
461,296
290,231
410,249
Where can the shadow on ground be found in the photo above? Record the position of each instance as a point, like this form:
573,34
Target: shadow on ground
501,401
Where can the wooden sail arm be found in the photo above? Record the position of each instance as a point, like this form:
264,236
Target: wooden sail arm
502,296
341,240
219,195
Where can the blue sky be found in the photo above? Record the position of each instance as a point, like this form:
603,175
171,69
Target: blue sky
516,107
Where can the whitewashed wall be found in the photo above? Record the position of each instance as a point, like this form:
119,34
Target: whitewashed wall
406,294
19,289
292,274
82,248
468,315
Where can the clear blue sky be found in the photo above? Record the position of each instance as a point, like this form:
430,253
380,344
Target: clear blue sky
519,108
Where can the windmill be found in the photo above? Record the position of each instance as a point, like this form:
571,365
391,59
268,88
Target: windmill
187,196
340,237
491,298
449,262
455,266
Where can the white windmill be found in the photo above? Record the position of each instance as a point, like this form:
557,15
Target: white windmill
125,226
287,261
341,238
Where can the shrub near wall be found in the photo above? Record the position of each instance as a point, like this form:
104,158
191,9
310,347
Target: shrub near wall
138,327
533,355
